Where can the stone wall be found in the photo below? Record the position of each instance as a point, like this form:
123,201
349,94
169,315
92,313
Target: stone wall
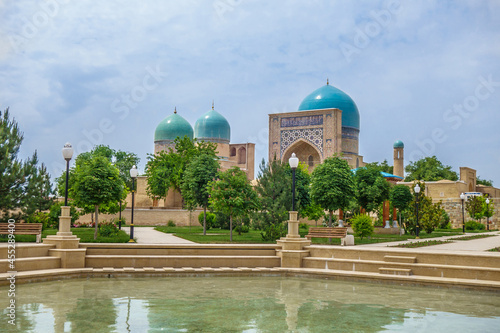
154,216
454,210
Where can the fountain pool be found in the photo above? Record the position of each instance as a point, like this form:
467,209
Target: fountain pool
245,304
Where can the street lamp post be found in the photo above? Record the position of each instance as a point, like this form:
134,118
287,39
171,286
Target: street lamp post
133,173
488,214
294,163
67,152
462,196
417,191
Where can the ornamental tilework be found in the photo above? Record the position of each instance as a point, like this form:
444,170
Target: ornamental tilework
312,135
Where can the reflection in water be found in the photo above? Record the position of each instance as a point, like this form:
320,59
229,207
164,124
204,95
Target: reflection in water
245,304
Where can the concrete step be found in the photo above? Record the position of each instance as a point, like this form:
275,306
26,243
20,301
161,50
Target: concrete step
30,264
179,261
402,259
395,271
430,270
25,250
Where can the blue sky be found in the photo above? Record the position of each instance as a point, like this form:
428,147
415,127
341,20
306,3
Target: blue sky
107,72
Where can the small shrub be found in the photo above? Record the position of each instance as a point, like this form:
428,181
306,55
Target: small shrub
242,229
362,226
273,232
445,220
473,225
108,229
171,223
211,217
40,217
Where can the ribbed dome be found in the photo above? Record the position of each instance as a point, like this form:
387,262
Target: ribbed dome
399,144
172,127
329,97
212,126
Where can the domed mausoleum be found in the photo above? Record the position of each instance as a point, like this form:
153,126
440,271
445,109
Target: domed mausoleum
213,127
170,128
326,123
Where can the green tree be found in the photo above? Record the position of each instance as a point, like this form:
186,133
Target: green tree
332,185
371,188
302,186
401,197
429,169
38,193
165,169
274,189
96,182
23,184
489,209
430,215
202,169
121,160
384,166
475,206
313,212
233,195
484,182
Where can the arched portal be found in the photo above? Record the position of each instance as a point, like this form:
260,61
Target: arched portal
306,153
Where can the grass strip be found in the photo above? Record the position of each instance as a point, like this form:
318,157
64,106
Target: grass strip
465,238
424,243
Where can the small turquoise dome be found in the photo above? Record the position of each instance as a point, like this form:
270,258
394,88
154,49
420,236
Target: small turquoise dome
212,126
172,127
329,97
399,144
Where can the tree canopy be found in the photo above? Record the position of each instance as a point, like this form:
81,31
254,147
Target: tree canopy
24,185
232,194
96,182
384,166
202,169
429,169
484,182
165,169
332,185
371,188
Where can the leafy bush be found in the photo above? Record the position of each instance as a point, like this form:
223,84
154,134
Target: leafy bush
40,217
244,229
362,226
171,223
273,232
473,225
108,229
445,220
211,220
55,212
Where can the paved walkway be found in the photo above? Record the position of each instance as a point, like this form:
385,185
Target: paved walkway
148,235
480,244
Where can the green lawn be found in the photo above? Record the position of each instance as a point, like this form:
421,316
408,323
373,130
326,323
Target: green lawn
215,236
86,235
195,234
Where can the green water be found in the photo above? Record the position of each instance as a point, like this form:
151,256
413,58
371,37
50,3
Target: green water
245,304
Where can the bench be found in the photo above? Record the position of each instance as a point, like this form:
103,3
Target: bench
22,229
327,232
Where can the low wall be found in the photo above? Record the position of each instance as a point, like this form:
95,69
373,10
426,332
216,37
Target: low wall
153,216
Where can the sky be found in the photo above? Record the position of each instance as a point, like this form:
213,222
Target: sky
107,72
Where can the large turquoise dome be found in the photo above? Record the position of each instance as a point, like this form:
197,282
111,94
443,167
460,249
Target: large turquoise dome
172,127
212,126
329,97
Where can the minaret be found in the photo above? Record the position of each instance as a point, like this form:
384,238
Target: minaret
399,165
